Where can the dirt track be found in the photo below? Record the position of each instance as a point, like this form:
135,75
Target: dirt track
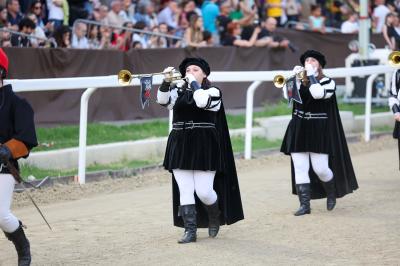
129,222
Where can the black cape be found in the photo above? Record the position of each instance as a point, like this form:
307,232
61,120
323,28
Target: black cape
16,120
339,159
226,184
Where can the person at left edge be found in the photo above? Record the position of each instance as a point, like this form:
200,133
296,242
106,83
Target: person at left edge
17,137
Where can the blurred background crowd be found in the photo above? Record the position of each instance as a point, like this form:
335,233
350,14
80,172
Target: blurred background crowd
140,24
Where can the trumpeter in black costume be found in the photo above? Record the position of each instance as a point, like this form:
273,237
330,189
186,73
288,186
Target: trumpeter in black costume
315,135
17,137
199,153
394,104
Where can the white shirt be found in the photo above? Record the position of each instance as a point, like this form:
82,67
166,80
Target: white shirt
55,12
81,43
349,27
380,12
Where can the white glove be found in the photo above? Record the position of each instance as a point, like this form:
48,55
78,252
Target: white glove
297,69
190,78
311,71
168,73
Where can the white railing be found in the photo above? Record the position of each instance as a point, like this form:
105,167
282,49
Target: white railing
256,77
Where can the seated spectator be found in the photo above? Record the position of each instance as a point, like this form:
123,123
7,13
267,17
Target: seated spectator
100,14
62,35
268,36
3,17
37,9
316,20
169,15
157,41
79,40
128,9
163,28
137,45
351,24
208,38
145,13
379,15
38,32
194,33
233,38
389,33
94,37
56,13
275,9
14,15
25,26
124,39
107,38
115,16
140,37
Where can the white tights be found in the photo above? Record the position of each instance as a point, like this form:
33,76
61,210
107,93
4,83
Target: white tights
201,182
8,222
320,165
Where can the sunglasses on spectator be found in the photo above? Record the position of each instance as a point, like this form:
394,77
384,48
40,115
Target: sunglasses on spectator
38,7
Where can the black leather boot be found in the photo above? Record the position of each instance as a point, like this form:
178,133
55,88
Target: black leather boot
188,213
330,194
213,219
303,191
21,244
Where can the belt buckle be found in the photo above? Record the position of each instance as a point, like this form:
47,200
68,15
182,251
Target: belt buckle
190,123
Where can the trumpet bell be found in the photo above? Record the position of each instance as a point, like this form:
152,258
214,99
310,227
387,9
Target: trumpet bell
394,58
279,81
124,77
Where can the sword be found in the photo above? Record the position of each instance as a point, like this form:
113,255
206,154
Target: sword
14,172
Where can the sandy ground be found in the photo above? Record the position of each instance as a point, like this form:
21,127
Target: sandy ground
129,222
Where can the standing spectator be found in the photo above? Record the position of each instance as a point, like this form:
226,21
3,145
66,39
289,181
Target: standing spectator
275,10
56,13
79,40
115,16
14,15
169,15
210,12
194,33
269,37
25,26
316,20
379,15
62,35
388,30
351,24
293,10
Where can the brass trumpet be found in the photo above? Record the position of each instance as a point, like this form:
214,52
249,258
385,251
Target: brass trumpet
394,59
125,76
280,81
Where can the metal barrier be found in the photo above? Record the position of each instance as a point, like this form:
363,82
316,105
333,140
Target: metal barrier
91,22
256,77
49,40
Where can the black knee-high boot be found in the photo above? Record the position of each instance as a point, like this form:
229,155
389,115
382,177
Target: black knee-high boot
213,219
188,213
303,191
330,194
21,244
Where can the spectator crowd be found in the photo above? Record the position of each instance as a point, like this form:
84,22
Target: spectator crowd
138,24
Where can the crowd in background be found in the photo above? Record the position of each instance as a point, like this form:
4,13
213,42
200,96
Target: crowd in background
126,24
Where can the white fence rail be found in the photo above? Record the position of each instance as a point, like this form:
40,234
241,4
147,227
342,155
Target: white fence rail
256,77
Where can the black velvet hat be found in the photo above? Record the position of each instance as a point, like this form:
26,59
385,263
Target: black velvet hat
314,54
200,62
